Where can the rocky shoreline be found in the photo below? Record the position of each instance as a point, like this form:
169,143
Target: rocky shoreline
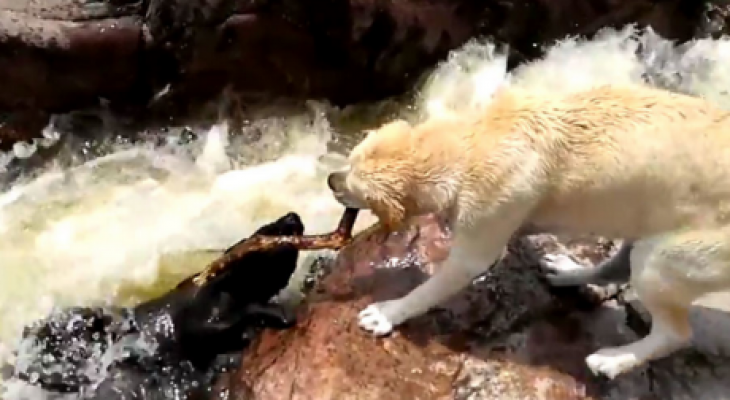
157,61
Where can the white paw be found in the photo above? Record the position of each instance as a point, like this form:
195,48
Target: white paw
561,270
558,263
611,362
373,320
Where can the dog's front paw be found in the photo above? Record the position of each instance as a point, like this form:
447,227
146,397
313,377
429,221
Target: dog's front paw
375,320
611,362
561,270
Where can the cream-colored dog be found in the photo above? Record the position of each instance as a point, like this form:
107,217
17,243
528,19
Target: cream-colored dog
627,162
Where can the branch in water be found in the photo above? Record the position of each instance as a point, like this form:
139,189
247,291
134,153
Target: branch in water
334,241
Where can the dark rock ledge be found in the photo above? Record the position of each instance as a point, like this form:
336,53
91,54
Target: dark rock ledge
153,60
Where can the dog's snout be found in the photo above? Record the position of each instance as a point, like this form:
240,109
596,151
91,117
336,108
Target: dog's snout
292,218
333,180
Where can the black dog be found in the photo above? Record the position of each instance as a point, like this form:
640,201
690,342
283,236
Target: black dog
170,347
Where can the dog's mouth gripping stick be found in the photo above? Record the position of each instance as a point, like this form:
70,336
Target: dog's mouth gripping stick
335,240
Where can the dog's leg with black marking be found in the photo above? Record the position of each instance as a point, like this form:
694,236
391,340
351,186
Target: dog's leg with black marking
669,273
561,270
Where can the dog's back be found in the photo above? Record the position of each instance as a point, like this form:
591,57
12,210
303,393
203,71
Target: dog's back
626,161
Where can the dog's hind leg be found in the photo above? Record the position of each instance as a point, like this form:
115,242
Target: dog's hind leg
561,270
471,255
669,273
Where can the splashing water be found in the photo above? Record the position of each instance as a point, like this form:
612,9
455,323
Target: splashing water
112,230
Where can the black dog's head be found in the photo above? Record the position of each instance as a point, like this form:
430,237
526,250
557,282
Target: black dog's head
237,299
260,275
288,225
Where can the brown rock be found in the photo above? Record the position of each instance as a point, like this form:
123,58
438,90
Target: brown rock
61,55
506,337
161,62
20,127
57,65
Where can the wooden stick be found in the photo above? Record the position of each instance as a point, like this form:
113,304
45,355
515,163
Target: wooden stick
334,240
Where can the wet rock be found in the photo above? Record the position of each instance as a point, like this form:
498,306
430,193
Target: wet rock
161,58
60,64
20,127
717,20
509,336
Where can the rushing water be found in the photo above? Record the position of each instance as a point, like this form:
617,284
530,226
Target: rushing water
117,229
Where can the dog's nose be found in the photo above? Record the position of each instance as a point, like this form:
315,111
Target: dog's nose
293,223
332,181
292,218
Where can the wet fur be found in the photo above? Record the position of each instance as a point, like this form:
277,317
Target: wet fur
631,162
198,335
